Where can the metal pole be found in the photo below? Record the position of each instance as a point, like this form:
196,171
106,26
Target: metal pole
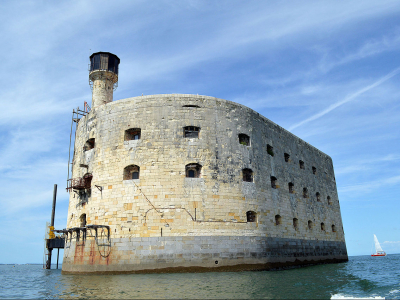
58,254
53,212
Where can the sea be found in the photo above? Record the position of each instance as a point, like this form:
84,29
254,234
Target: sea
362,277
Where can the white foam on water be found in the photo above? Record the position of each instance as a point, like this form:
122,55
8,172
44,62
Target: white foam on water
341,296
394,291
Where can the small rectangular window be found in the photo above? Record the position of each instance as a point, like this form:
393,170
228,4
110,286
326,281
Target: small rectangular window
191,132
270,150
301,164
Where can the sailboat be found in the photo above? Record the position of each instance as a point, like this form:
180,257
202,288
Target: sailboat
378,248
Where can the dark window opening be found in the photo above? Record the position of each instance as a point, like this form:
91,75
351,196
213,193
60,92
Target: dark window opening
333,228
83,220
295,223
247,175
251,216
89,145
191,131
310,224
314,170
273,182
191,105
131,172
329,200
301,164
291,185
244,139
318,197
305,193
322,226
287,156
193,170
278,220
132,134
270,150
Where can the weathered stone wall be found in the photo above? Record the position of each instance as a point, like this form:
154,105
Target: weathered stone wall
214,204
197,253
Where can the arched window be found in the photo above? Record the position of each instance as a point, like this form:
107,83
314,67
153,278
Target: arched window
291,185
191,132
132,134
301,164
82,220
247,175
273,182
193,170
305,193
287,156
89,144
270,150
295,223
318,195
310,224
322,226
278,220
333,228
314,170
244,139
131,172
329,200
251,216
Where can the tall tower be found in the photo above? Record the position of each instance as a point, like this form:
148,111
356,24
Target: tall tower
103,77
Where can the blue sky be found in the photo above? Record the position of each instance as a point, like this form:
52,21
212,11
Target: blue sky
328,71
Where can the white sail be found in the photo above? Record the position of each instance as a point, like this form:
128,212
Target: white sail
378,247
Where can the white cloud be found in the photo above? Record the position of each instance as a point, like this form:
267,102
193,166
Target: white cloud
347,99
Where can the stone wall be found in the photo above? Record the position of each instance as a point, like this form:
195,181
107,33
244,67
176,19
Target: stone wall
165,203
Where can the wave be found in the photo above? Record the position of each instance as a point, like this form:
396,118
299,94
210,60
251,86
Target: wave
342,296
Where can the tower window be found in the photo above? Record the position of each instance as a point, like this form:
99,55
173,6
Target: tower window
278,220
251,216
322,226
247,175
287,156
82,220
132,134
273,182
89,145
131,172
329,200
270,150
333,228
244,139
301,164
310,224
191,132
193,170
305,193
314,170
295,223
318,197
191,105
291,185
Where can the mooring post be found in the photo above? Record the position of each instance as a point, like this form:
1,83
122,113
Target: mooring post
53,212
58,254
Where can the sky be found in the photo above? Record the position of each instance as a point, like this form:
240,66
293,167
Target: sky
328,71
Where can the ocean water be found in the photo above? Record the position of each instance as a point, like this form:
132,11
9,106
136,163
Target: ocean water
361,277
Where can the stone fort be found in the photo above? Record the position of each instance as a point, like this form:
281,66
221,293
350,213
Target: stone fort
176,182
